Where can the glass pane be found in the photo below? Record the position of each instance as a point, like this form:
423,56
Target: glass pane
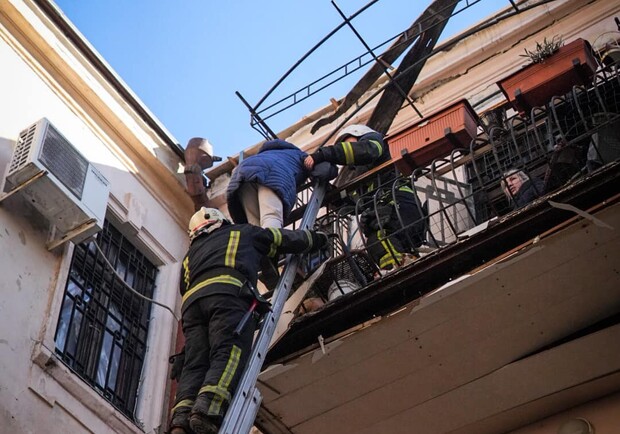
63,323
74,333
104,359
116,356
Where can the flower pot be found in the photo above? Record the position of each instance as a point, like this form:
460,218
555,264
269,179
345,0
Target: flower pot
537,83
435,137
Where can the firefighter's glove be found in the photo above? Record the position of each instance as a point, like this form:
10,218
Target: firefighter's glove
319,240
369,220
324,171
318,156
177,361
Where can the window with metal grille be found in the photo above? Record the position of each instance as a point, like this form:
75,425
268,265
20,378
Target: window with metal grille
102,328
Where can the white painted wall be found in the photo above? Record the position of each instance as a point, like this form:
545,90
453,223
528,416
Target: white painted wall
38,394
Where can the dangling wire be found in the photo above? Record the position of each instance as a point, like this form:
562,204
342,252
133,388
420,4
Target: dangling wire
150,300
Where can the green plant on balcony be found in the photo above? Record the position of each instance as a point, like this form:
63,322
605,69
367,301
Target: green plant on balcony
554,70
544,49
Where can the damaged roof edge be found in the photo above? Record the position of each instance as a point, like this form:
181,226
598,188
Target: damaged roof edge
446,45
53,12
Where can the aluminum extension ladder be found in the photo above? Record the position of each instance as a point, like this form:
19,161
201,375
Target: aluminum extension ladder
246,401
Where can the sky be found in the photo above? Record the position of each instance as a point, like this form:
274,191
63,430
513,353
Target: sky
185,59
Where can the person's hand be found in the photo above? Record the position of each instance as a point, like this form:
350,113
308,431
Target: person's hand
177,361
309,163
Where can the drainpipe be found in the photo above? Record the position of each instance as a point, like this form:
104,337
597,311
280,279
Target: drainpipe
198,157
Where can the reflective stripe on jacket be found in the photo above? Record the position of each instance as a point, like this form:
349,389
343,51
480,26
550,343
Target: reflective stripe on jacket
221,262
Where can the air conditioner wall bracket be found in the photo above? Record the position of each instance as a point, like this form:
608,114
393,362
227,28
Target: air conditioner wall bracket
54,242
23,185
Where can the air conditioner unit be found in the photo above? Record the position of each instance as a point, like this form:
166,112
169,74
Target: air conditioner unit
61,184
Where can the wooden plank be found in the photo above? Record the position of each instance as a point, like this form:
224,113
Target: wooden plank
589,393
291,305
547,373
432,374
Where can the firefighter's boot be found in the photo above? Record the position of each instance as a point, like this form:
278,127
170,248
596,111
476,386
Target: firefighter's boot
180,422
200,420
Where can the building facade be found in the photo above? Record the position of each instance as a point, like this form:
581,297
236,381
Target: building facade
83,350
509,323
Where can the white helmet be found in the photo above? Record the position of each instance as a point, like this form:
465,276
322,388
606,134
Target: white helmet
355,130
205,220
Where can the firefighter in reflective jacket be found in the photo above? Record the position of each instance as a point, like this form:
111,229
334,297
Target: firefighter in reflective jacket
360,149
218,288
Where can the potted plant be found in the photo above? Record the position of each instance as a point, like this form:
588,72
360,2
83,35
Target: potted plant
434,137
553,70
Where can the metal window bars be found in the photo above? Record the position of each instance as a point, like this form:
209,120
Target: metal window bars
102,327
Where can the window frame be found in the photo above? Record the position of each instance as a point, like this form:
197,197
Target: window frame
102,329
152,393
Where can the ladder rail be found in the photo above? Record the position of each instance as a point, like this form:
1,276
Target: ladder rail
246,400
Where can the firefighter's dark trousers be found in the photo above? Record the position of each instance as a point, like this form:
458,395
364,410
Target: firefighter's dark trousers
214,356
401,232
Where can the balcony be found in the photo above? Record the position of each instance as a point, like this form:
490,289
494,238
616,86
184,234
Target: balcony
568,143
499,283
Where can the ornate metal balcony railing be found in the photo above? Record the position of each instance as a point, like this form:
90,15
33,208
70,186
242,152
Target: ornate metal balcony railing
551,147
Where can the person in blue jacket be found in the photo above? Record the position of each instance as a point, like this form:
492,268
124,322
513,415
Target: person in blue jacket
263,188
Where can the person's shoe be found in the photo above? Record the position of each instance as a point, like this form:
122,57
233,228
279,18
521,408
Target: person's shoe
408,258
425,249
200,421
203,424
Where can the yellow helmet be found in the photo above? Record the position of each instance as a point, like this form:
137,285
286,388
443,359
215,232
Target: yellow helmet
205,220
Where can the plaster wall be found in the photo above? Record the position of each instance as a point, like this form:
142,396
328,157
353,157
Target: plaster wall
39,394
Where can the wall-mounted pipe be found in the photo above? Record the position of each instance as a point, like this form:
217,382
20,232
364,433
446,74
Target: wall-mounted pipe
198,157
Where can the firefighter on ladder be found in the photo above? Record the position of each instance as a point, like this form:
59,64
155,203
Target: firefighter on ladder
219,299
360,149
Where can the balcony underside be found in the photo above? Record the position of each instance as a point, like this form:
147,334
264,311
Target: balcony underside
526,327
